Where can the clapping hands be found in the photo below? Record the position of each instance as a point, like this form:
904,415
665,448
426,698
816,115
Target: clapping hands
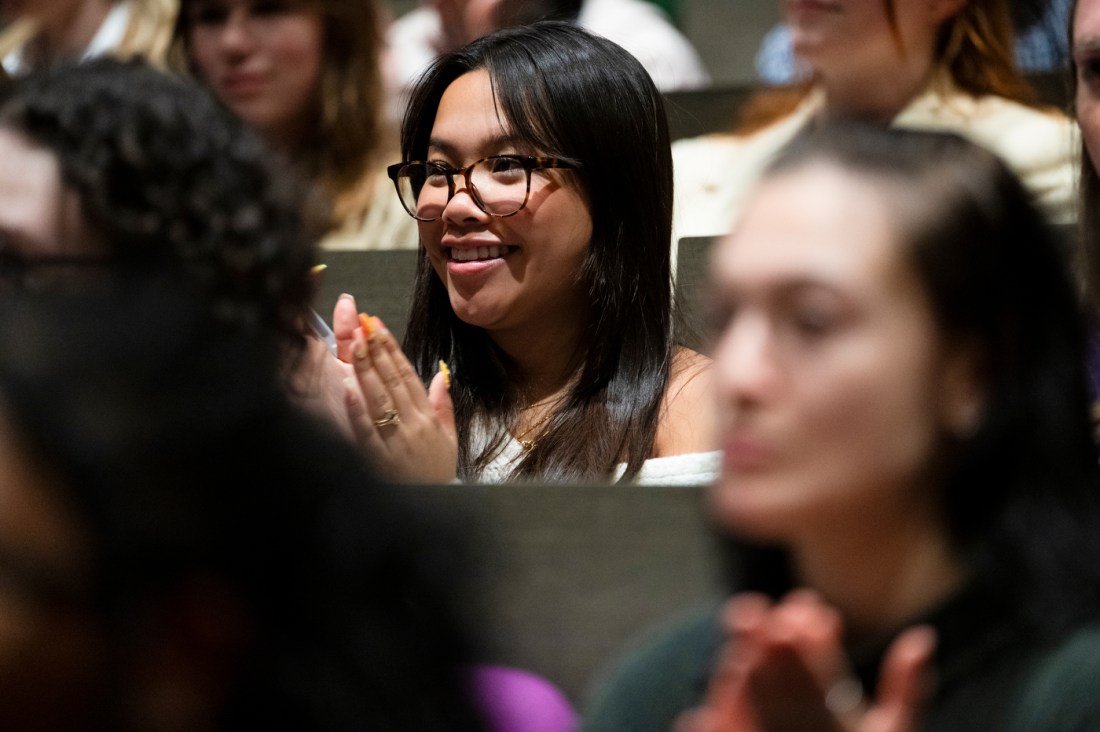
409,432
783,669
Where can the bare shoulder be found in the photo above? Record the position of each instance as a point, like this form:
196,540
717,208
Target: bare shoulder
687,422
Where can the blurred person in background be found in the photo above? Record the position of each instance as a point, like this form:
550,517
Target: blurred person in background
306,76
1040,43
945,64
642,28
39,32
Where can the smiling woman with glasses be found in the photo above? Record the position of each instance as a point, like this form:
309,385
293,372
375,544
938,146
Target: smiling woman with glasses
537,166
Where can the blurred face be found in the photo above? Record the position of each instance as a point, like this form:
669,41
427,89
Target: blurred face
1086,57
263,59
39,216
503,273
830,371
839,36
51,650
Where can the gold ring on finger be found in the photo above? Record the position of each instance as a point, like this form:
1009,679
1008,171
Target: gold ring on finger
389,417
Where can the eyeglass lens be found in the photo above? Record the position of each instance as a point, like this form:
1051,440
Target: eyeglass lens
497,185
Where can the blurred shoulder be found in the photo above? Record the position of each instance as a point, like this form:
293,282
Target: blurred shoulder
1062,690
663,675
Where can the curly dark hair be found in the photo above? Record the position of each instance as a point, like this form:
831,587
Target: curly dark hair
167,177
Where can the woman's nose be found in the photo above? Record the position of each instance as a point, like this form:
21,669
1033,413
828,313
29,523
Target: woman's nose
462,207
745,361
238,36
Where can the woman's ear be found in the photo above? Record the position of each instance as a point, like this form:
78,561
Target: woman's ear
963,390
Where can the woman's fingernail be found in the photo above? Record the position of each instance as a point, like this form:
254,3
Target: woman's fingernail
446,371
360,348
379,325
345,296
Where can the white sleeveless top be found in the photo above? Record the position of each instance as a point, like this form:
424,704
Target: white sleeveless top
694,468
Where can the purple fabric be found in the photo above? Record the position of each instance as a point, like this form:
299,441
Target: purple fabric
513,700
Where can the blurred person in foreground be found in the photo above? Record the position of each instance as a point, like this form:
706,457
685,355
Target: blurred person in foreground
117,161
180,546
909,485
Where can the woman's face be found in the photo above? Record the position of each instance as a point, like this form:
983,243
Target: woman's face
263,59
1086,58
834,387
511,273
852,36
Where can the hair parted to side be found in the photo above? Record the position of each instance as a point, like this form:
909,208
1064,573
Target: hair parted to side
347,137
1020,493
570,94
169,178
974,46
1088,211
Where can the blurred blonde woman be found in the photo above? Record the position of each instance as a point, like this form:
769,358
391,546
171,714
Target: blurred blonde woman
305,75
919,64
45,31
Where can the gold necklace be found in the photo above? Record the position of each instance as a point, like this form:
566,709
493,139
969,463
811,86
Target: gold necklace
529,445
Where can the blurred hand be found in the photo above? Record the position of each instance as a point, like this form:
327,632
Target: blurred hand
783,669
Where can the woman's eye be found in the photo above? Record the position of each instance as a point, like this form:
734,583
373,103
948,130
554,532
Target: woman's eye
716,318
1088,70
504,165
813,322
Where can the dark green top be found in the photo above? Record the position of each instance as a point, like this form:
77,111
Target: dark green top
992,672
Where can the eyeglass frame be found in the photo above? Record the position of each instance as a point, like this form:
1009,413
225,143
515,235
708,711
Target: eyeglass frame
529,163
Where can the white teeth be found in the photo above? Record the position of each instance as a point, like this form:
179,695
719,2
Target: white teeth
473,254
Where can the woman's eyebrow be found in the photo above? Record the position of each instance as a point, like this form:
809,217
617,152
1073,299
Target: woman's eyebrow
450,150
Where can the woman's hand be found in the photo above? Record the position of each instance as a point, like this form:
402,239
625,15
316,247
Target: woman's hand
784,669
408,432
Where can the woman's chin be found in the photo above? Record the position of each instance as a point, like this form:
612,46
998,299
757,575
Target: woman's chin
477,314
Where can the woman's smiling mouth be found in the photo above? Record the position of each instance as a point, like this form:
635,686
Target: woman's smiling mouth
475,254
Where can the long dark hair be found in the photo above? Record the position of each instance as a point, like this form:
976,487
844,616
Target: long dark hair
567,93
1088,212
1020,493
